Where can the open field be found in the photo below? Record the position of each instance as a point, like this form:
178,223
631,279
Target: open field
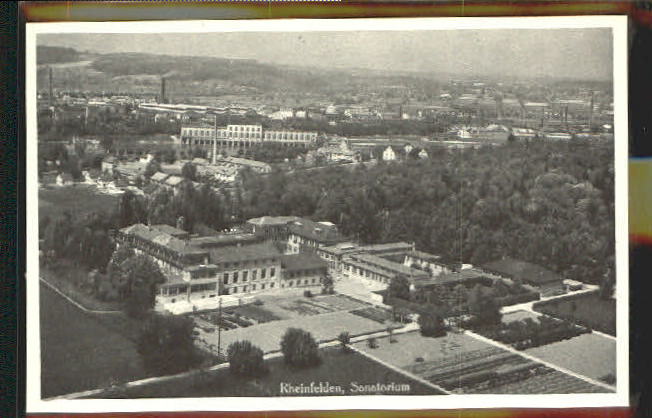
78,352
590,355
463,364
324,327
337,368
587,309
78,199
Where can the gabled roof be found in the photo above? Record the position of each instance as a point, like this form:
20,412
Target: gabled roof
315,231
523,270
244,252
272,220
388,265
159,176
302,261
174,181
170,230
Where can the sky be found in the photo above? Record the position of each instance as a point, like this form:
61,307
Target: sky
560,53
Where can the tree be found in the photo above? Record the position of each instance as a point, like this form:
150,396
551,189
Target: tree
482,305
431,324
607,285
166,344
130,210
189,171
142,278
372,342
390,333
344,338
327,285
151,168
399,287
246,359
299,348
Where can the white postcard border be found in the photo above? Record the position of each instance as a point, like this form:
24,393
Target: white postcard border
34,403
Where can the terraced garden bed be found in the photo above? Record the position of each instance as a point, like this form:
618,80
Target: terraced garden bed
375,314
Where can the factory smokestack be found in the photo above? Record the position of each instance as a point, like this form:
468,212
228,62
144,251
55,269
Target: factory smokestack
162,98
591,111
214,156
50,97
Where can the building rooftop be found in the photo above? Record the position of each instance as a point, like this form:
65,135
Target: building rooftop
161,238
245,252
423,255
340,248
390,246
517,269
245,162
224,240
315,231
170,230
388,265
272,220
174,181
302,261
159,176
455,277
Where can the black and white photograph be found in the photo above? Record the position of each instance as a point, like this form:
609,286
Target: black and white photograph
359,213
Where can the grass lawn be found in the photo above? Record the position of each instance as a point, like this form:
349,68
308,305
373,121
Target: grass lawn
337,368
590,355
78,352
587,309
409,346
78,199
324,327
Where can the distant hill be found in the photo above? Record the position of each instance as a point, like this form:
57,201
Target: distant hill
55,55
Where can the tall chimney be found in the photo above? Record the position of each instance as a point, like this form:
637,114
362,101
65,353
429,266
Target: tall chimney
50,98
215,139
162,98
591,111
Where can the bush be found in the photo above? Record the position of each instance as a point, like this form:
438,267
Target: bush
344,339
299,348
307,293
432,325
245,359
166,344
258,302
372,342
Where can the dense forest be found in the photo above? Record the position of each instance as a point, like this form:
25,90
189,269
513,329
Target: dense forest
550,203
547,203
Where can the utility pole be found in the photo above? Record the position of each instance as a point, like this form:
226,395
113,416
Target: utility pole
219,331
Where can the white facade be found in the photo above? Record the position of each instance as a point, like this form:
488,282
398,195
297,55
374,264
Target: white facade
389,154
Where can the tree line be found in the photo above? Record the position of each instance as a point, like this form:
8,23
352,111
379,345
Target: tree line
547,203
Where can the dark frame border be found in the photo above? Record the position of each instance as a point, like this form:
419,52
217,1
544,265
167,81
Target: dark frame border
640,90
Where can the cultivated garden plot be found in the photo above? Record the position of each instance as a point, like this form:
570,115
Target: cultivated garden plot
462,364
587,309
572,355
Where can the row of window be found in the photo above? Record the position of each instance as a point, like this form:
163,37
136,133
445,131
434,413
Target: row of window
263,286
365,273
235,276
244,128
246,288
204,287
